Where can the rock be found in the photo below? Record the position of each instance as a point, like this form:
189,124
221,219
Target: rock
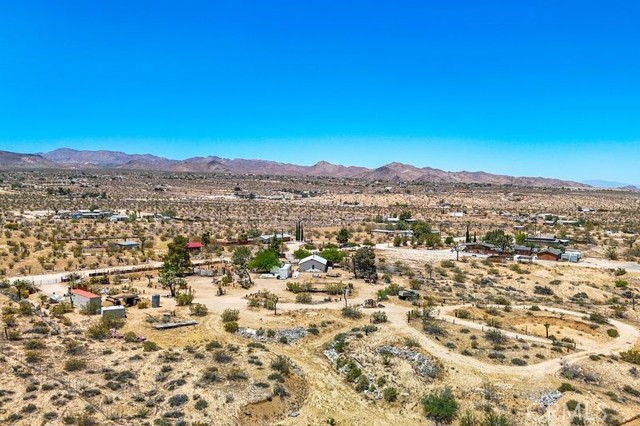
421,364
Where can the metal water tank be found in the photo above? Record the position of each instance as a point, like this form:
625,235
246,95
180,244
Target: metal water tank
155,300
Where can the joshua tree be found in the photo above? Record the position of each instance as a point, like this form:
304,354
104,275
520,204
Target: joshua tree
546,327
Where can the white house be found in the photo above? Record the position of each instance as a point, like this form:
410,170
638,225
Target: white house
313,263
118,218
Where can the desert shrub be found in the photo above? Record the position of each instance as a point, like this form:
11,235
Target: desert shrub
178,400
501,300
390,394
25,308
362,384
612,332
440,405
632,356
620,283
231,327
572,404
143,304
184,299
353,374
281,365
351,312
494,419
598,318
90,309
462,313
495,336
496,355
214,344
619,272
210,375
33,356
149,346
198,310
237,374
632,391
447,264
222,356
378,317
567,387
201,404
518,362
545,291
304,298
230,315
34,344
369,328
130,337
61,308
433,328
98,330
74,364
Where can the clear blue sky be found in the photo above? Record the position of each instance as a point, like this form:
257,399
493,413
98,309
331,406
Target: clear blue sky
547,88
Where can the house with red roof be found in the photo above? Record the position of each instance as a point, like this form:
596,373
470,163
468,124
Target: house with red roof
195,247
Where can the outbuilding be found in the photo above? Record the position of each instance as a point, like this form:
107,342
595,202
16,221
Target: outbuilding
81,298
113,312
313,263
282,272
549,254
195,246
127,244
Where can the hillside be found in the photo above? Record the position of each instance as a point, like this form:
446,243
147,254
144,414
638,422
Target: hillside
12,160
394,171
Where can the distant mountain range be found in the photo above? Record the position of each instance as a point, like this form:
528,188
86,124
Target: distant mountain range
74,159
610,184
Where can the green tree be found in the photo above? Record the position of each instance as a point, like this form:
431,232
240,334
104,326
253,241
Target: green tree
364,264
177,258
343,236
520,237
499,239
205,238
333,254
264,260
301,253
404,215
275,244
168,278
240,259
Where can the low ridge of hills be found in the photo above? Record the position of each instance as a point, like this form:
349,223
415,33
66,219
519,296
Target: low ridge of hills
71,158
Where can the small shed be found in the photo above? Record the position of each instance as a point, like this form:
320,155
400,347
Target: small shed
113,312
523,250
127,244
549,254
313,263
118,218
82,298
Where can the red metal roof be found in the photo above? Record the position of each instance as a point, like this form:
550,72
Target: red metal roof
194,245
84,293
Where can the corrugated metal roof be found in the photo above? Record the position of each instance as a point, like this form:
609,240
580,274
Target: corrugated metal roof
84,293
